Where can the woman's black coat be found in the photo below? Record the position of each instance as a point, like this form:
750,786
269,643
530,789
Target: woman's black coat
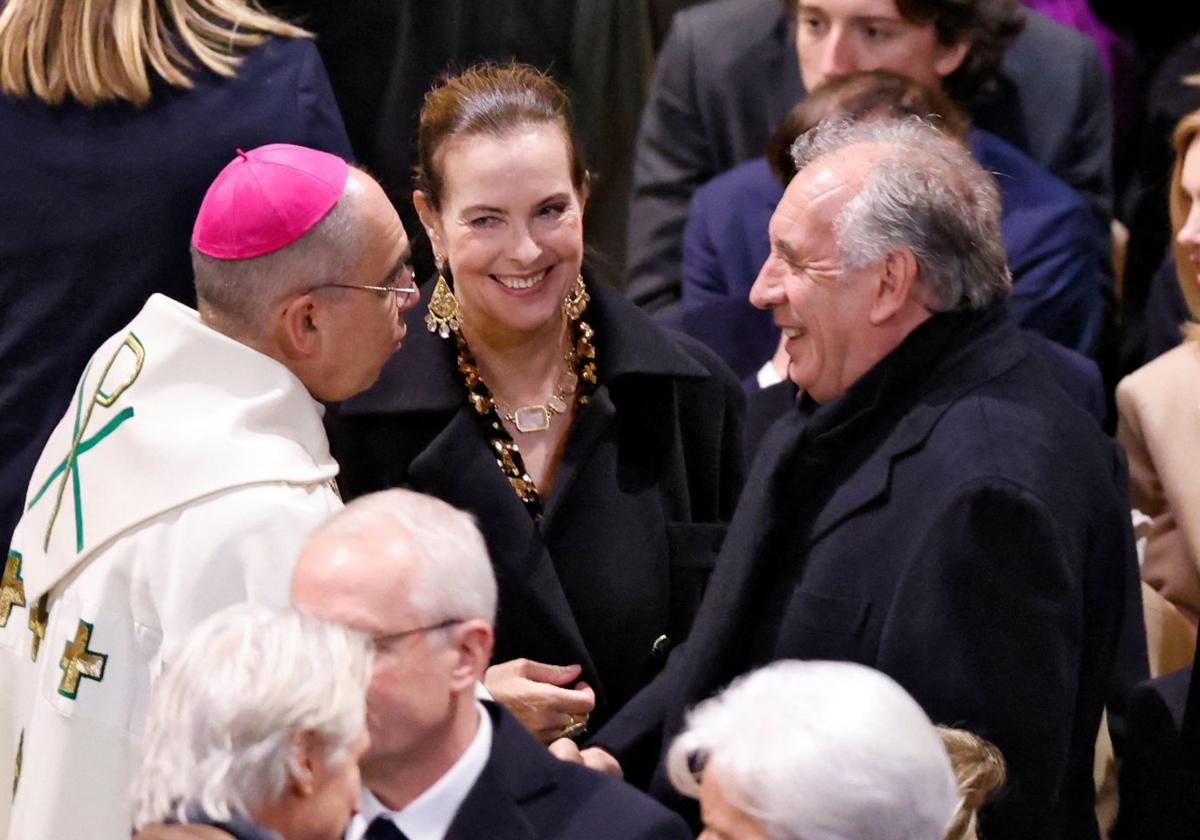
651,471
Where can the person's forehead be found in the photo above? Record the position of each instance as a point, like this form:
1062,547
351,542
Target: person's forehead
532,157
852,8
354,582
828,182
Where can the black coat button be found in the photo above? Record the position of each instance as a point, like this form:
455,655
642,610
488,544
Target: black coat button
660,648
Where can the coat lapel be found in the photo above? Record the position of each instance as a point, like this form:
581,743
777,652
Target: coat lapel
946,384
591,424
458,466
516,772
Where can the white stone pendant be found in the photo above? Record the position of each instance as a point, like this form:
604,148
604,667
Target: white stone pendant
531,418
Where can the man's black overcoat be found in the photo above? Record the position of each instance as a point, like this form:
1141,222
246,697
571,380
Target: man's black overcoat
953,521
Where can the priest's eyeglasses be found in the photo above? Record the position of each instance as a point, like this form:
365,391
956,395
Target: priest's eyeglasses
388,638
401,293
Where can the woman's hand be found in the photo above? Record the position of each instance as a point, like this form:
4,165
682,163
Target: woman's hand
537,695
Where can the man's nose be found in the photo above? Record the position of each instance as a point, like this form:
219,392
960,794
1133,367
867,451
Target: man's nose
407,300
766,291
840,56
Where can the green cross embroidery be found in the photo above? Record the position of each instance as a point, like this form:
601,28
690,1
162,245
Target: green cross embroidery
12,588
69,467
79,663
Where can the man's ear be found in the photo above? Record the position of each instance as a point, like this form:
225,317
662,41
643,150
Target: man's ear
298,327
301,775
951,56
431,221
472,643
897,284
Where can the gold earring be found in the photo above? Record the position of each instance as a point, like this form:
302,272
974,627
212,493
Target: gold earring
442,316
576,300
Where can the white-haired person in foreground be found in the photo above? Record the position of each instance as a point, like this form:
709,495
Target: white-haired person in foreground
815,750
255,731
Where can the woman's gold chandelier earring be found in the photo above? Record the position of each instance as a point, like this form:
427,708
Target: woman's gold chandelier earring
442,316
576,300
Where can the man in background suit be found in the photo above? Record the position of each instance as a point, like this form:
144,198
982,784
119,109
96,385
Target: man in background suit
730,71
414,573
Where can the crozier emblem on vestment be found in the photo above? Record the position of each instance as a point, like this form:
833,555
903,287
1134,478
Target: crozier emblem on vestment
68,469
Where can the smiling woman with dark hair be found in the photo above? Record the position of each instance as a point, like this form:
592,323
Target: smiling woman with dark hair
601,456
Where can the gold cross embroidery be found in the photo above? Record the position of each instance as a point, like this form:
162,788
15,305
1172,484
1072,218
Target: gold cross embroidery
78,662
12,588
38,616
17,770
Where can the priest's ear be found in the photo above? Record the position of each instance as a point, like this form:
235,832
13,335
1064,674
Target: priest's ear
297,327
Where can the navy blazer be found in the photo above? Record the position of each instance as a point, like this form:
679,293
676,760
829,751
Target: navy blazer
525,793
728,73
971,540
1049,236
650,473
97,209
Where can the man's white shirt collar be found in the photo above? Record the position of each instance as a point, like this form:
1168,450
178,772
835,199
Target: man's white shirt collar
767,375
428,817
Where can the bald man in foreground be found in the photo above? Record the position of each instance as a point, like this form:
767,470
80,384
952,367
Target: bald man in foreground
414,573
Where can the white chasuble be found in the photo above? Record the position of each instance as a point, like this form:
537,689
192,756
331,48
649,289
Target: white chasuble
185,476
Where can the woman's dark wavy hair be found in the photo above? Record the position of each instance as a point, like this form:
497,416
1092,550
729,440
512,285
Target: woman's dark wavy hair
991,26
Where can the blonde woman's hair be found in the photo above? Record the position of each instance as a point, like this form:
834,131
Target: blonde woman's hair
96,51
980,772
1185,134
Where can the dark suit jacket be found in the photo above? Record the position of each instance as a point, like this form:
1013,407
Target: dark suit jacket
1160,774
953,521
649,478
97,211
525,793
1049,235
728,74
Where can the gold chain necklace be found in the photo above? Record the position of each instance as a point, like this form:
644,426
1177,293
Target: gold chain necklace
504,448
536,417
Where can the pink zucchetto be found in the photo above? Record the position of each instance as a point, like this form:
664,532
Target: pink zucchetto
267,198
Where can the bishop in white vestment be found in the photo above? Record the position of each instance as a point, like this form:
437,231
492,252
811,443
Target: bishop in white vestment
185,476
